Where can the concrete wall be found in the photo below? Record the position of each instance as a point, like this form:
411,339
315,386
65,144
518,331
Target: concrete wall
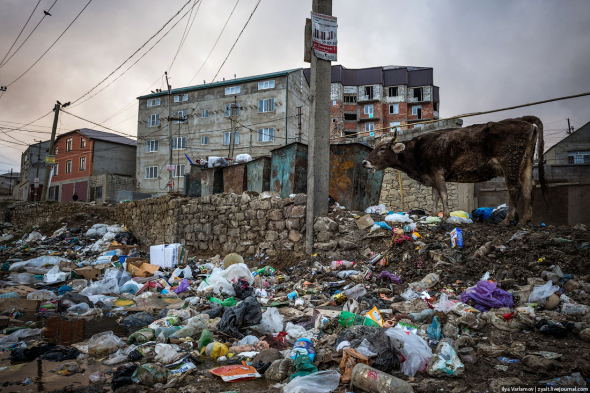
214,100
32,158
113,158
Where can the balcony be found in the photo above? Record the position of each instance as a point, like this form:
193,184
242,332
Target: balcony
367,98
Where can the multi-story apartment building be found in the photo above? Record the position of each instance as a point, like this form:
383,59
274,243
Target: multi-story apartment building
373,101
32,166
92,166
265,111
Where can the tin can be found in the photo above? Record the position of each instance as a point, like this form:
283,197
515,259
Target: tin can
293,295
372,380
338,298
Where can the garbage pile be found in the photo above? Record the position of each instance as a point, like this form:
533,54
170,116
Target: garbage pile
462,305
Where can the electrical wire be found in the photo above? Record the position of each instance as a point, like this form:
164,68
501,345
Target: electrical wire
215,44
185,33
2,64
54,42
134,100
107,128
19,34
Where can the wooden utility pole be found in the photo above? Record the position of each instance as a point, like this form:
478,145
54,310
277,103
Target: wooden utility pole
299,122
234,110
50,152
318,164
36,186
170,176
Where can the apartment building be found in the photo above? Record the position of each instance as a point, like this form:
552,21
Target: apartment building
32,166
266,111
91,166
373,101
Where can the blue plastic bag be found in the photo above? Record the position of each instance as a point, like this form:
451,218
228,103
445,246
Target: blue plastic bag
435,330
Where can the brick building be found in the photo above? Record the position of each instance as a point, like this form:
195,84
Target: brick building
373,101
92,166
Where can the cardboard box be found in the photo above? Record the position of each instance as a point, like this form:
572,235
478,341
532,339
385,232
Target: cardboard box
20,290
89,272
167,255
139,267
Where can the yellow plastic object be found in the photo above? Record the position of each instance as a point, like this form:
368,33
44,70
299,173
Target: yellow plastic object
460,213
375,316
123,303
215,350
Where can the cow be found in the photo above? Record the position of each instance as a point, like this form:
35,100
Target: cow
472,154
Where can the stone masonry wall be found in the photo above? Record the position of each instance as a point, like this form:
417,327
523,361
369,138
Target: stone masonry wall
31,214
416,195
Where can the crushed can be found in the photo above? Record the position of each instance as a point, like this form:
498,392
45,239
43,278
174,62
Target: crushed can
338,298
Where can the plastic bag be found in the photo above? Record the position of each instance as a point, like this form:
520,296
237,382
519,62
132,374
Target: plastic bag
435,330
271,322
101,287
320,382
458,220
248,340
217,162
296,332
78,284
413,348
237,271
150,374
216,283
444,304
487,295
214,350
409,294
97,377
15,337
103,344
37,262
445,361
79,308
398,218
242,158
376,209
194,326
186,273
54,275
540,293
42,294
22,278
183,286
166,354
141,336
206,339
432,220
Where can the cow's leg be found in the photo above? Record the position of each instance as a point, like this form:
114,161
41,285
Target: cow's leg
527,182
435,196
441,187
512,178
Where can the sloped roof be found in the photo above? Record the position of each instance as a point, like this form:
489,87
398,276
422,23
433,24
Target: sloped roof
103,136
386,76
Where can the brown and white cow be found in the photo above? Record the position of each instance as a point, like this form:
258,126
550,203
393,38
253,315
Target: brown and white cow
471,154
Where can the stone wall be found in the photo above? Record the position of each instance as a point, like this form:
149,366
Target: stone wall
31,214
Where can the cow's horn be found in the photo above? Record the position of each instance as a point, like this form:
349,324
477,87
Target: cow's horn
398,148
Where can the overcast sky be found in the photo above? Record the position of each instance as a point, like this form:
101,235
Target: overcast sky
485,54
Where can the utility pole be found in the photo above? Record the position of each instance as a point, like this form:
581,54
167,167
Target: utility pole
36,186
318,153
299,121
10,183
170,176
56,108
250,148
233,118
569,128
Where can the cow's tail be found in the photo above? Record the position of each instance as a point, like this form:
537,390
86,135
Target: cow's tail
540,148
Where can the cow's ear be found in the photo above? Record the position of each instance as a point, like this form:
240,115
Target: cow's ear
398,148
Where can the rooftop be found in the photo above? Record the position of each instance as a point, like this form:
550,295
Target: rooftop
383,75
103,136
228,82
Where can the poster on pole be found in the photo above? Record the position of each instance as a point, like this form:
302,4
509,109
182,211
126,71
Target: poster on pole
36,183
49,160
324,37
171,168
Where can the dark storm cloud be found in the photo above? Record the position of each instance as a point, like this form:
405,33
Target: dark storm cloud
485,54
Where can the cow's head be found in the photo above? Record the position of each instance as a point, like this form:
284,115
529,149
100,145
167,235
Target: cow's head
384,155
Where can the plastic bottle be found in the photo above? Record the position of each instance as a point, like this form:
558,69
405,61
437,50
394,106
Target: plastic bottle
422,317
574,309
372,380
355,292
427,282
339,264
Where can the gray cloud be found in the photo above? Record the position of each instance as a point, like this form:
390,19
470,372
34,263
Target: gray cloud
485,54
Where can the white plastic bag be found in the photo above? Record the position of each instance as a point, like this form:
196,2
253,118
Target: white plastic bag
188,273
320,382
101,287
446,361
37,262
34,236
166,354
271,322
444,304
401,218
54,275
216,283
458,220
79,308
540,293
366,349
21,278
104,343
241,158
295,332
15,337
248,340
413,347
409,294
42,294
376,209
237,271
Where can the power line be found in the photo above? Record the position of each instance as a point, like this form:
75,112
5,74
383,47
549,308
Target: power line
2,64
100,125
214,45
133,54
134,100
185,33
54,42
19,34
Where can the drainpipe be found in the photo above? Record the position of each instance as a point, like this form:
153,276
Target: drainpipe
287,113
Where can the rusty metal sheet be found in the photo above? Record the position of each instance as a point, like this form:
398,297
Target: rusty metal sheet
194,181
258,174
289,169
211,181
234,178
350,184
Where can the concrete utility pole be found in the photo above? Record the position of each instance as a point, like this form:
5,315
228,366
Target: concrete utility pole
170,176
569,127
37,175
318,150
50,152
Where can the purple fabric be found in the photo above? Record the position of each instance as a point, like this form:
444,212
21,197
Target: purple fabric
183,286
487,295
388,276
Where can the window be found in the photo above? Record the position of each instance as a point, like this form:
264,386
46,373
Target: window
69,144
180,114
350,116
181,97
578,157
229,108
395,125
334,102
55,150
349,98
418,93
152,146
264,85
393,91
204,140
393,109
368,92
266,134
417,111
436,104
227,138
179,170
334,120
55,171
82,142
153,120
69,166
82,163
267,105
369,126
98,192
368,109
205,113
179,143
151,172
53,193
232,90
154,102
